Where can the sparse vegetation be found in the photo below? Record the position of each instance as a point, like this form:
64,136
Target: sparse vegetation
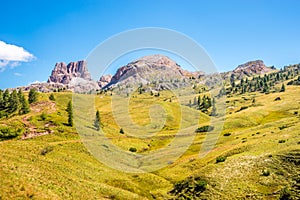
204,129
132,149
227,134
61,154
221,159
190,188
46,150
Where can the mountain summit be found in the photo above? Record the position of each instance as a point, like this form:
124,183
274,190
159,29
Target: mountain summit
64,73
151,69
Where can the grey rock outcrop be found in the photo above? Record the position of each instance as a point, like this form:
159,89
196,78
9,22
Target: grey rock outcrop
63,73
158,70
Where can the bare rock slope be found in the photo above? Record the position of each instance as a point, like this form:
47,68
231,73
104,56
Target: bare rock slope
63,73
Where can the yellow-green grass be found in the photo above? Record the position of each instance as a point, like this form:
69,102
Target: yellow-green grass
69,171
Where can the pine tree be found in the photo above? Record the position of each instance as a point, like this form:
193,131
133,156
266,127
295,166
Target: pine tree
52,97
214,109
24,105
13,102
6,97
1,99
282,88
70,114
195,101
32,96
199,100
97,121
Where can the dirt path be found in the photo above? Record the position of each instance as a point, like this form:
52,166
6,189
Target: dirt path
31,129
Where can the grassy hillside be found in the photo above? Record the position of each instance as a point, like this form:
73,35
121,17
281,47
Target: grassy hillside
259,143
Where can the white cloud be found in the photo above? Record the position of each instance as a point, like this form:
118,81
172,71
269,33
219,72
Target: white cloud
17,74
11,55
34,82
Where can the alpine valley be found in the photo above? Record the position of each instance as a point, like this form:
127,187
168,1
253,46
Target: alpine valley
256,154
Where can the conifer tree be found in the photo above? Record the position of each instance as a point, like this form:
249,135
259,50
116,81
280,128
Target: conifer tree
1,99
214,109
52,97
70,114
32,96
282,88
97,121
13,102
6,97
199,100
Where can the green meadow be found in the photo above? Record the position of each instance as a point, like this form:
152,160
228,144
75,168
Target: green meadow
256,154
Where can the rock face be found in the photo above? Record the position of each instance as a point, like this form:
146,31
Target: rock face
104,80
154,69
252,68
248,69
63,73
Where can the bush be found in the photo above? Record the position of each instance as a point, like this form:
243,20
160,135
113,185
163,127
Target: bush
282,127
122,131
132,149
46,150
242,108
43,116
281,141
220,159
51,97
204,129
8,133
227,134
265,172
190,188
285,194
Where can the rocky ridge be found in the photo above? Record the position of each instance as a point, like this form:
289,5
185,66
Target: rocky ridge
63,73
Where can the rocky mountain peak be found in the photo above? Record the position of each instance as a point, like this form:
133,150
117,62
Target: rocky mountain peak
63,73
252,67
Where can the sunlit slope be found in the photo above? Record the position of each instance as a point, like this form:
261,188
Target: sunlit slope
263,136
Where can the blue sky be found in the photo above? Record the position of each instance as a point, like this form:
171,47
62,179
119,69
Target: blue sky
231,31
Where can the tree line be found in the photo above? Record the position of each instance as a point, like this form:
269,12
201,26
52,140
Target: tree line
15,102
204,104
264,84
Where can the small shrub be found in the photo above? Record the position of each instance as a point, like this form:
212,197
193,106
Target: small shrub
43,116
204,129
277,99
51,97
242,108
257,133
285,194
122,131
282,127
281,141
46,150
188,188
227,134
220,159
8,133
266,172
132,149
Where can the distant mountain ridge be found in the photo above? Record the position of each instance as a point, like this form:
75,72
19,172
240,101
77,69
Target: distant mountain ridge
159,70
248,69
152,69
